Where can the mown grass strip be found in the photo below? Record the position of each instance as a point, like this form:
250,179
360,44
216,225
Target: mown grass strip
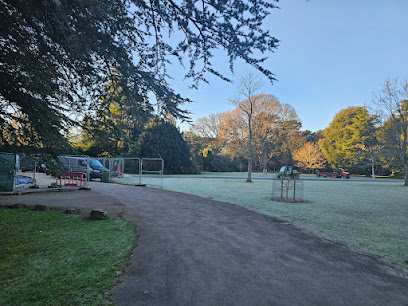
54,258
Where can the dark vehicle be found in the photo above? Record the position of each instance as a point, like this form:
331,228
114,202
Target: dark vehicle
80,164
96,168
288,171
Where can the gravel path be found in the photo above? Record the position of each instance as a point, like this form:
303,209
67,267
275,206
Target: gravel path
197,251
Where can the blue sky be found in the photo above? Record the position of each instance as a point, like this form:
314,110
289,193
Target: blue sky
332,54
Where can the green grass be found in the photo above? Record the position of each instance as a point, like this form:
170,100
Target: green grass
49,258
370,216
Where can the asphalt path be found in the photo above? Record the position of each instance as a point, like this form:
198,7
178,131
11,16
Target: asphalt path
197,251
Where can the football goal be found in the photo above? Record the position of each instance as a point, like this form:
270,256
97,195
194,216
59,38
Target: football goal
151,171
137,171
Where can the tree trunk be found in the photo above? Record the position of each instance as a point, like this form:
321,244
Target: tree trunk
264,159
372,168
406,174
249,179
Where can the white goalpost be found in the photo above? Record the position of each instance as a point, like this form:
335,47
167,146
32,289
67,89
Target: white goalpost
150,170
137,171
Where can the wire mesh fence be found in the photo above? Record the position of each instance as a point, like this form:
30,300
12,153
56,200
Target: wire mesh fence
289,190
124,168
19,172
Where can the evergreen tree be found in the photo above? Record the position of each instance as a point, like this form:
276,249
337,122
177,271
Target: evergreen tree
57,56
351,128
115,129
162,139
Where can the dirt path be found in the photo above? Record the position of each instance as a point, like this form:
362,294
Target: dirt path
196,251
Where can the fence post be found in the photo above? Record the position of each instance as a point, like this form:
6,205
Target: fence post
282,188
140,170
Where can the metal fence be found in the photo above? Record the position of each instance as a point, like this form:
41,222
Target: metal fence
19,172
288,190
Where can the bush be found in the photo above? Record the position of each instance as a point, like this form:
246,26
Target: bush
222,163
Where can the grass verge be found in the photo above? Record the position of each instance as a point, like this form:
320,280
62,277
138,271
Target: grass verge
54,258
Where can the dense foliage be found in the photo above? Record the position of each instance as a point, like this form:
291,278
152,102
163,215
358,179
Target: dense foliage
114,129
351,128
309,157
57,56
162,139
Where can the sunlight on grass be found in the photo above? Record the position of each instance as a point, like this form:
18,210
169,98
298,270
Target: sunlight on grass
52,258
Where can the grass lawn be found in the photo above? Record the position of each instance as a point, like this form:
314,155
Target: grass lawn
53,258
371,216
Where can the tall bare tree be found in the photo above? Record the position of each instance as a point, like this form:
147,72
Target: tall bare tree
391,104
210,128
247,90
274,132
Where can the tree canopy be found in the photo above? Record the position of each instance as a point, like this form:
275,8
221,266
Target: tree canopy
56,56
115,128
274,126
351,128
309,157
